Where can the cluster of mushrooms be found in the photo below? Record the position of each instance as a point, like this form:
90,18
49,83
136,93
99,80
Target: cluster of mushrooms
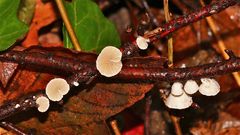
180,97
109,64
55,90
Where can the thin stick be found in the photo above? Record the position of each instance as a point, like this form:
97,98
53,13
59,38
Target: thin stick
147,115
147,8
115,128
177,127
170,39
182,21
175,119
220,42
9,126
68,25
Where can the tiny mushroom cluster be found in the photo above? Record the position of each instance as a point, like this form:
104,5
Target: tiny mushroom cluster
180,98
55,90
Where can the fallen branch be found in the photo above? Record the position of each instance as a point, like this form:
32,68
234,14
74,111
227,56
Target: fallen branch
185,20
135,74
133,70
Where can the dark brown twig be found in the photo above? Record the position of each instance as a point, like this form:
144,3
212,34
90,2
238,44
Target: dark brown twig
147,114
134,71
152,17
22,104
11,127
180,74
182,21
41,59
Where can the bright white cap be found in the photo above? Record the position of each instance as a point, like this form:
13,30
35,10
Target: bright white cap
142,42
178,102
57,88
177,89
191,87
109,61
209,87
43,103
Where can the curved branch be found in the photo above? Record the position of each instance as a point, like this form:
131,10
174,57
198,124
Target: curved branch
184,20
133,70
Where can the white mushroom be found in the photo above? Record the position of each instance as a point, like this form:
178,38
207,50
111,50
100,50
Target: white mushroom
209,87
109,61
142,42
191,87
43,103
178,102
176,89
57,88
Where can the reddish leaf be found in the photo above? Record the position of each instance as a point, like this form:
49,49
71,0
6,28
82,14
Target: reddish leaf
44,14
138,130
24,82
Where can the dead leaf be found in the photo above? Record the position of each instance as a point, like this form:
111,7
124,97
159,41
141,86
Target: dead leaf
7,69
45,14
225,125
5,132
89,108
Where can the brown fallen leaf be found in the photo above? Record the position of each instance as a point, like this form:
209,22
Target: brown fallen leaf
225,125
228,28
45,14
82,112
5,132
7,69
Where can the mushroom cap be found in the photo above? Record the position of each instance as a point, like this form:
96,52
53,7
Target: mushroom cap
177,89
56,88
178,102
142,42
43,103
209,87
109,61
191,87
